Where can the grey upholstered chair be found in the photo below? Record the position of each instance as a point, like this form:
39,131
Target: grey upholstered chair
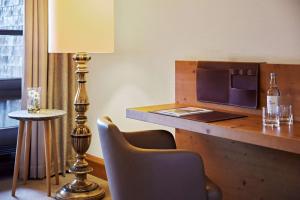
145,165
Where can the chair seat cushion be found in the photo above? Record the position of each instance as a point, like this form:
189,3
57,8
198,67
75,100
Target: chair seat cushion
213,191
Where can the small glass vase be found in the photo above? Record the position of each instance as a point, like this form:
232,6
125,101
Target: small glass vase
34,99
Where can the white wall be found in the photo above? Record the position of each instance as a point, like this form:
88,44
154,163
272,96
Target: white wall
152,34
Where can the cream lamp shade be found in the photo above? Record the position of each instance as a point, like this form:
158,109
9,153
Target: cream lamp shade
80,26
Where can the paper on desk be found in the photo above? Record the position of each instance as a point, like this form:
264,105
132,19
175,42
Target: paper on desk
179,112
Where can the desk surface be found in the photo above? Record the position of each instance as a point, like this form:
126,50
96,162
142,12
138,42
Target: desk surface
247,130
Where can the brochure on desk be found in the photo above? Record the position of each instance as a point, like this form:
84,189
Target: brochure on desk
185,111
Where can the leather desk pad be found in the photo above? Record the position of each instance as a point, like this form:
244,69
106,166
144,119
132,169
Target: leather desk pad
213,116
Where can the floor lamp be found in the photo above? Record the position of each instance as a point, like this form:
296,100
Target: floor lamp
80,27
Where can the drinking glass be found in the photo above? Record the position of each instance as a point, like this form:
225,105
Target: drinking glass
34,99
270,119
285,114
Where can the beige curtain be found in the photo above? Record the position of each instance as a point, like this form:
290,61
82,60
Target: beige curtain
54,73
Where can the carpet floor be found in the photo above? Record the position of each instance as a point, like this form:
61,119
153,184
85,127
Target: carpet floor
36,189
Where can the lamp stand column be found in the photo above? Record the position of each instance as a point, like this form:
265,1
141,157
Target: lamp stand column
80,187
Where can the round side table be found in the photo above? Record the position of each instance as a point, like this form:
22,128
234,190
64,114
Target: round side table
47,116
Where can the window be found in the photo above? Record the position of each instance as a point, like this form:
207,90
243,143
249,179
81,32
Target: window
11,67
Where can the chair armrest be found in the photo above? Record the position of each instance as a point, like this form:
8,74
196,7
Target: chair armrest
152,139
170,174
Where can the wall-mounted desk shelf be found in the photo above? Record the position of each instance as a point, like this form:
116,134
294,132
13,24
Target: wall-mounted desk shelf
246,160
247,130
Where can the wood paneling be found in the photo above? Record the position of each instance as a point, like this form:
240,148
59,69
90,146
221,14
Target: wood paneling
245,171
288,81
185,88
288,77
98,165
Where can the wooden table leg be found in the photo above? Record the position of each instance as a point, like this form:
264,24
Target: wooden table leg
47,155
55,152
27,149
17,158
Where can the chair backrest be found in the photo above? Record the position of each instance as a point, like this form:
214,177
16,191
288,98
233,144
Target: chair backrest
132,174
115,150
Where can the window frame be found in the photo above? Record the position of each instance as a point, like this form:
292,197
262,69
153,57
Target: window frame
10,88
11,32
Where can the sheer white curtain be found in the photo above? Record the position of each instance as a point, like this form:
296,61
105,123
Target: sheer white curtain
54,73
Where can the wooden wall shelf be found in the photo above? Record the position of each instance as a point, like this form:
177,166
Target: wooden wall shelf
247,130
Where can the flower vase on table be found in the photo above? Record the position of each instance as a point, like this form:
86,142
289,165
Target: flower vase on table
34,99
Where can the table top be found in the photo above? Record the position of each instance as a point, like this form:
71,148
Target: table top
43,114
248,130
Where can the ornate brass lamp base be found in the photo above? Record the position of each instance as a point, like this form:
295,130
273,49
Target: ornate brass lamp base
90,192
80,187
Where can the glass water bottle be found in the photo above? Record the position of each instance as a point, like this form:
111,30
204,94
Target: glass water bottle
273,95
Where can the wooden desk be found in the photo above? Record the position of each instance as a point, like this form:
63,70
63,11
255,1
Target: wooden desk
235,154
247,130
247,161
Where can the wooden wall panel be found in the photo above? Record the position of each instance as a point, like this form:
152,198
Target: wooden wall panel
288,77
185,82
185,88
98,165
245,171
288,81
